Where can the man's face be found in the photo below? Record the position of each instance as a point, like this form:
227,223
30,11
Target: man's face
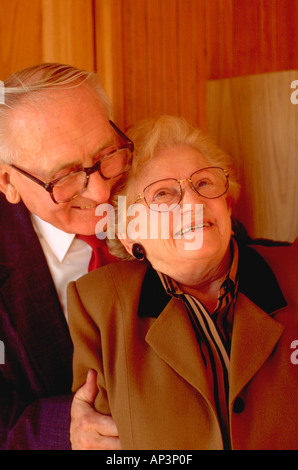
67,130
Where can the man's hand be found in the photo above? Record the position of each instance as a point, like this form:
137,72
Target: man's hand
90,430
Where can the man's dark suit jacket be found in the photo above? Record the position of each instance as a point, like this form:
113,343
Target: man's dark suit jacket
35,380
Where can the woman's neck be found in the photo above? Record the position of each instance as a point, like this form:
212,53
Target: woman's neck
206,290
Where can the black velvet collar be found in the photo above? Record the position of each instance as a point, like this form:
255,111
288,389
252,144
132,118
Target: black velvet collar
256,281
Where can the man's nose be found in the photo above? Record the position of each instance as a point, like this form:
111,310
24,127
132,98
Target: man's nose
98,188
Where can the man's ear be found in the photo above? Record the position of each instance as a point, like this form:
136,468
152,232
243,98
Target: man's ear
7,186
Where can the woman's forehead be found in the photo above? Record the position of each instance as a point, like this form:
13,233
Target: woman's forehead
173,162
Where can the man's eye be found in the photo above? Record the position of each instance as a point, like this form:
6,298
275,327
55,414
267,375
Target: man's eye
65,173
69,178
106,153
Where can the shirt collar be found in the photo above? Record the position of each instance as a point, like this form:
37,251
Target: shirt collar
58,241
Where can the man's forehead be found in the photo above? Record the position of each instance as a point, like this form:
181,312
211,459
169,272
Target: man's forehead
57,132
78,98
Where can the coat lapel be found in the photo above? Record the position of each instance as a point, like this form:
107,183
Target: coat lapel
174,341
255,335
255,332
171,336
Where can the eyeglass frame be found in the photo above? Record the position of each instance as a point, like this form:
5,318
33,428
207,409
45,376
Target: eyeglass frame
226,173
49,187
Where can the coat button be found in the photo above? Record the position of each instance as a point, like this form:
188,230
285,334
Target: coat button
238,406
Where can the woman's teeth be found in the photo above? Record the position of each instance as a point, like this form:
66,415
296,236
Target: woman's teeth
194,227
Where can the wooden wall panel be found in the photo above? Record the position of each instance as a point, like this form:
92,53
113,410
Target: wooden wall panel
163,51
158,60
154,55
68,32
192,61
20,35
270,53
254,120
135,26
219,38
247,37
157,35
103,47
34,31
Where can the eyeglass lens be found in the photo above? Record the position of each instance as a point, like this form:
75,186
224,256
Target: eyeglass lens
72,185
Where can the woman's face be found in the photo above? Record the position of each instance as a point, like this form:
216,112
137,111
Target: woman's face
183,252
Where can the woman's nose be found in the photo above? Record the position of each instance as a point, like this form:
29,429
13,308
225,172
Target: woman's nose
190,195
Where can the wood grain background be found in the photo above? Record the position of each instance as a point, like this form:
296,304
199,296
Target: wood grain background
254,119
155,56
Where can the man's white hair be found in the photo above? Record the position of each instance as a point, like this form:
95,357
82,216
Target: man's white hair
25,86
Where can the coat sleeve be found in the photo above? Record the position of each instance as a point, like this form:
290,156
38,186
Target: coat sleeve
33,415
87,354
42,424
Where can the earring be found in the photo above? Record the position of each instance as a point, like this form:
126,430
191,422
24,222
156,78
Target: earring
138,251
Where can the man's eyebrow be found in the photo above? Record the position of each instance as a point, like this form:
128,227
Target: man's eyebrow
108,145
67,166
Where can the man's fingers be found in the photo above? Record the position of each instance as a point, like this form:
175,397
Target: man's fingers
88,428
95,442
107,426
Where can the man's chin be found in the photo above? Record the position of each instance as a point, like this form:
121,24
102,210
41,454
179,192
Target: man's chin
85,209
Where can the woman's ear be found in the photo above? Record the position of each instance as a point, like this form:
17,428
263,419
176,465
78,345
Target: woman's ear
127,243
229,202
134,249
7,186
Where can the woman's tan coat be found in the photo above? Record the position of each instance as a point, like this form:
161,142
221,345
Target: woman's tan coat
150,373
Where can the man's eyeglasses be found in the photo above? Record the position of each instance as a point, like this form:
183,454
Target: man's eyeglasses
111,165
166,194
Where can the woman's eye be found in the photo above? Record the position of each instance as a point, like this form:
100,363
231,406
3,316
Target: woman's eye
160,194
165,194
203,182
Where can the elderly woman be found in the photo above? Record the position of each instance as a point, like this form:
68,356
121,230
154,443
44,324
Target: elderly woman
191,343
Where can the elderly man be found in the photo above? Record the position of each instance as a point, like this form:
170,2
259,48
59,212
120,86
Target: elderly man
60,155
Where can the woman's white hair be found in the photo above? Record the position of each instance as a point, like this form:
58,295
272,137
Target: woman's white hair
25,87
153,135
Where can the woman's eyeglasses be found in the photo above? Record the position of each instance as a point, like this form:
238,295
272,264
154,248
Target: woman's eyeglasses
164,195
